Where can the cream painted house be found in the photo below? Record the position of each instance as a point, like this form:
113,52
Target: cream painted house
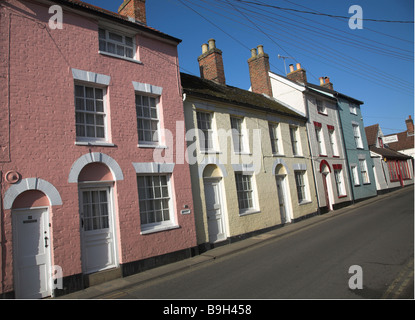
249,157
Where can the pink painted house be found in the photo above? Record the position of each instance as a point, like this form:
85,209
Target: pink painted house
87,100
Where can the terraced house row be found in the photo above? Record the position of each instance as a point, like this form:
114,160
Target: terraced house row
113,162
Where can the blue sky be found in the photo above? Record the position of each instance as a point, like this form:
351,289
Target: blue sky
374,64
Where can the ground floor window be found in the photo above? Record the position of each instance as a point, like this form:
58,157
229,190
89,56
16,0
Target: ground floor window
154,200
245,191
301,185
338,176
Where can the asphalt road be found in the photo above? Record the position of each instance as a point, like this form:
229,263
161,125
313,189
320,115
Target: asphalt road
376,239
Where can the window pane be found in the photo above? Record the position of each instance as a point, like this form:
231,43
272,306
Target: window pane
115,37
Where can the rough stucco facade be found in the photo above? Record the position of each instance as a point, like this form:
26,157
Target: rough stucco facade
45,165
222,163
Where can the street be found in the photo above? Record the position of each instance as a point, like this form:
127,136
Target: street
370,246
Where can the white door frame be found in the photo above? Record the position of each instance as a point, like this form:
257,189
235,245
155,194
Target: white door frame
219,181
284,189
46,241
84,186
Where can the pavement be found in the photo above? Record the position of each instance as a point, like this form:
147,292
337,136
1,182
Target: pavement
108,290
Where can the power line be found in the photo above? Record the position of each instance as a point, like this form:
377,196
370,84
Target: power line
320,13
356,72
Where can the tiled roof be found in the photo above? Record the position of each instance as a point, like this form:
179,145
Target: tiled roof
405,141
389,153
372,134
77,4
207,89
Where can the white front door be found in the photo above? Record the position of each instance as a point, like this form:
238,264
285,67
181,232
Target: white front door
98,239
282,199
31,253
214,210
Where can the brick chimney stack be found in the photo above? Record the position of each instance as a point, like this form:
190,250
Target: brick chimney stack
211,63
325,82
258,71
410,125
298,75
134,9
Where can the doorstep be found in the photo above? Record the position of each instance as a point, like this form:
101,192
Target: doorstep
102,276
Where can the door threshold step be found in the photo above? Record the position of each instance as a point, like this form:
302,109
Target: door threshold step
99,277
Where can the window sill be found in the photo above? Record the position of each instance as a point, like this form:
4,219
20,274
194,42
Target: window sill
243,153
119,57
154,146
298,156
305,202
210,152
94,143
345,196
278,155
323,114
248,212
323,155
159,229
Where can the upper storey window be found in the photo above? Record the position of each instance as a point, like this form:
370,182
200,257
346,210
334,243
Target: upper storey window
116,43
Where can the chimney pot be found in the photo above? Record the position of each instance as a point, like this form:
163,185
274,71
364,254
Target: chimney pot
327,79
298,75
259,71
212,44
409,124
211,63
321,81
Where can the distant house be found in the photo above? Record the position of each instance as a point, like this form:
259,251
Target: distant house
392,169
329,158
359,162
403,141
83,110
251,167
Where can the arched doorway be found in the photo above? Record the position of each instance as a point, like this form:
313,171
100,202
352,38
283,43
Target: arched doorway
31,245
97,218
283,193
215,203
327,186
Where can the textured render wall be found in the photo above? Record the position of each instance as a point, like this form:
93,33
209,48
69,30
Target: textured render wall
330,119
264,180
43,127
352,153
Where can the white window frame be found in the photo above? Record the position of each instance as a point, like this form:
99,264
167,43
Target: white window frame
357,135
148,119
338,177
321,108
320,141
355,175
103,31
275,137
301,186
162,224
202,131
251,192
363,171
93,113
295,142
353,108
239,135
333,142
